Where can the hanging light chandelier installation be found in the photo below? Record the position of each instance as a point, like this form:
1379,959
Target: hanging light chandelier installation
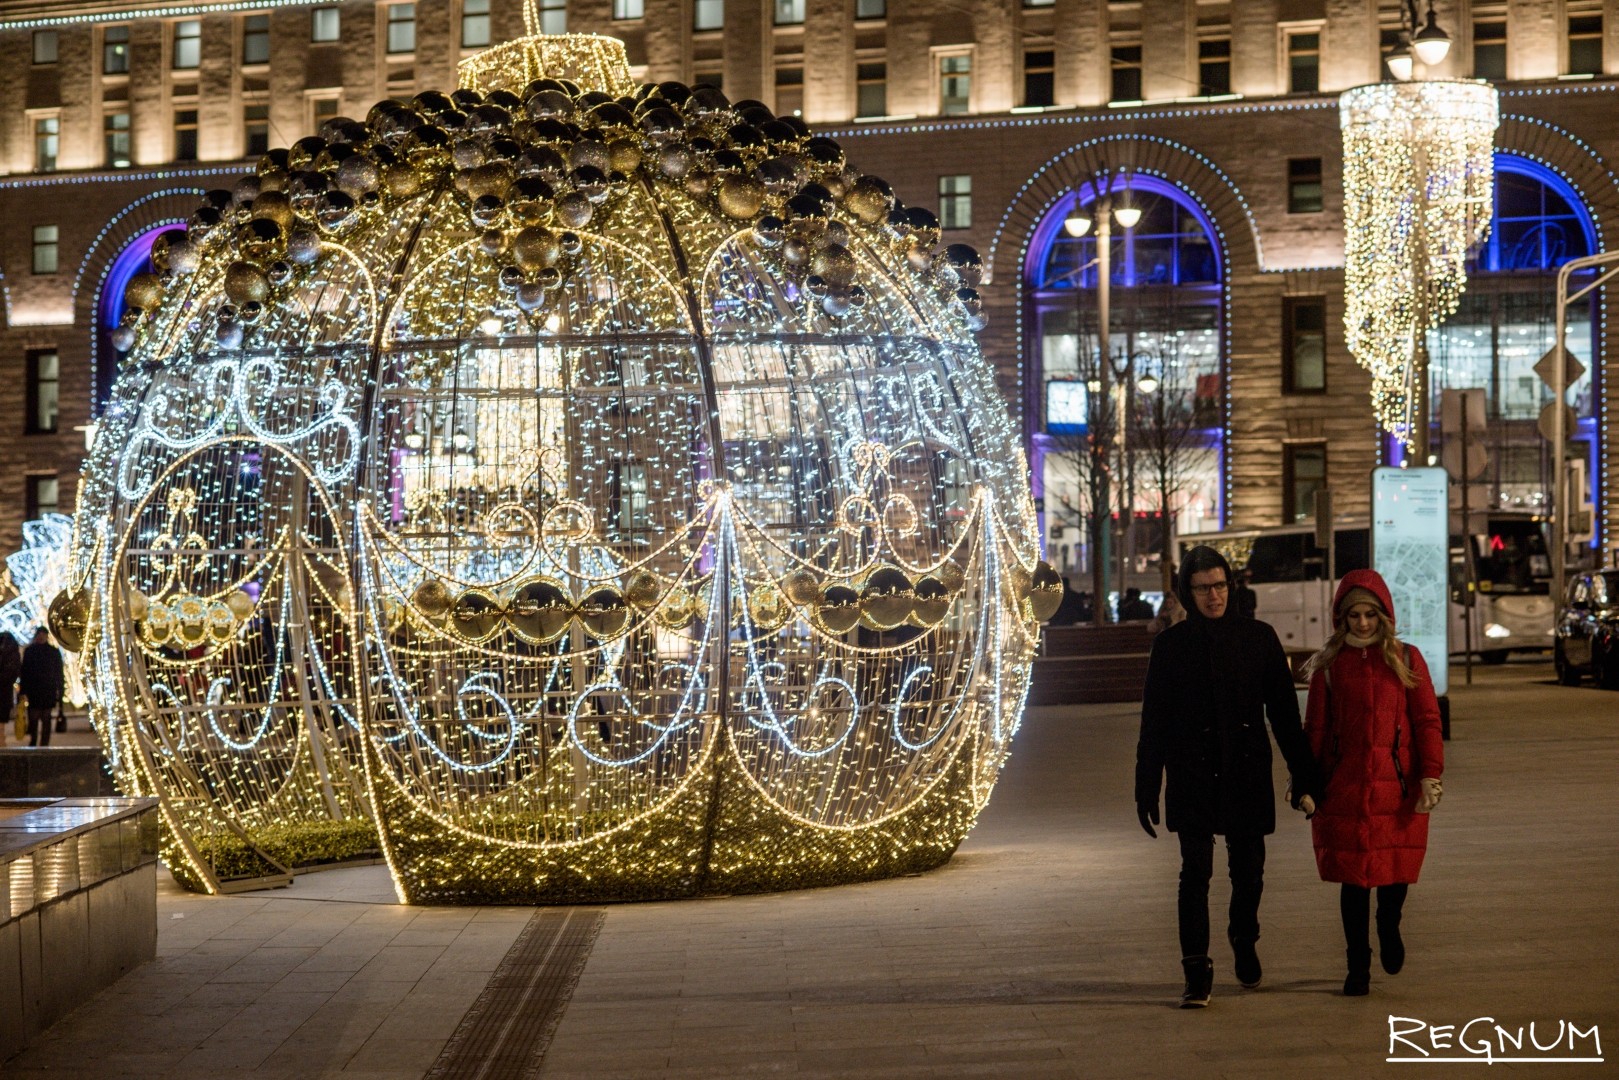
1418,178
596,490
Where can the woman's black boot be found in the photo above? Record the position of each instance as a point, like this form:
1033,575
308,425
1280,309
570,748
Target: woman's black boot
1390,946
1358,983
1199,981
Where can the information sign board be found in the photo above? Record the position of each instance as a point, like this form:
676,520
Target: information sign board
1411,549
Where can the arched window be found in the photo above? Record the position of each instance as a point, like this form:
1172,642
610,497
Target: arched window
1165,329
135,258
1506,323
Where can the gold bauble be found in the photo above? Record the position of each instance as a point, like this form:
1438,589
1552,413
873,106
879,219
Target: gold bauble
240,605
932,602
643,590
540,611
886,598
867,201
835,264
536,247
740,197
246,283
261,240
493,178
624,155
221,623
603,612
159,624
139,605
192,621
400,180
950,575
275,206
678,609
838,609
144,291
801,587
393,613
69,616
1045,591
769,608
475,616
432,598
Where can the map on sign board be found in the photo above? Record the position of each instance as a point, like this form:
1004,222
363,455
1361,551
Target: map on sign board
1411,549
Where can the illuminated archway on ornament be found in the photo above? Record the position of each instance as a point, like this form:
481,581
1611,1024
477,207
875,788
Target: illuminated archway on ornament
135,258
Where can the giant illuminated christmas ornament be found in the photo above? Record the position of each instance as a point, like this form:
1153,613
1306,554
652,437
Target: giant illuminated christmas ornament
37,574
598,488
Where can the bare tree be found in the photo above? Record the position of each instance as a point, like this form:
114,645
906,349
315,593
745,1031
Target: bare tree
1165,439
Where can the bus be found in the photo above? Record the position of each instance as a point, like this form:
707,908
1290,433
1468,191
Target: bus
1512,610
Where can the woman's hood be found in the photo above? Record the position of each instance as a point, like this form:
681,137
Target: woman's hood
1372,582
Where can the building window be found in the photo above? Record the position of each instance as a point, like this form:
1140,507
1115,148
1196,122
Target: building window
44,46
1304,472
708,14
41,498
1585,45
871,9
871,93
629,9
631,508
1039,3
321,109
401,28
475,29
115,138
45,241
1489,50
1304,185
256,39
325,24
1303,63
955,202
185,135
1214,67
47,137
789,12
115,50
553,16
1304,344
1039,77
255,130
187,45
789,91
955,83
44,390
1126,73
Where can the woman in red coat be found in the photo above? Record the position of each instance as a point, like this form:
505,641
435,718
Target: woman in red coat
1373,724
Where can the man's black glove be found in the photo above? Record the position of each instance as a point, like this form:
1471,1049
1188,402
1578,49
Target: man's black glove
1148,813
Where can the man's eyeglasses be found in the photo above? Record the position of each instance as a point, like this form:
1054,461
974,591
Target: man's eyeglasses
1221,587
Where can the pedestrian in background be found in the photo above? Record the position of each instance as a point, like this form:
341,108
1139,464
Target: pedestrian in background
1373,724
1243,597
10,668
1212,680
42,680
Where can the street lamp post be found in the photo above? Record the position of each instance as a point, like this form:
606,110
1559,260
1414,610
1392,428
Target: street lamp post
1107,211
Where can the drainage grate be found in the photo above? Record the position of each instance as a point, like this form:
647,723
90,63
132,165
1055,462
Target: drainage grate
505,1034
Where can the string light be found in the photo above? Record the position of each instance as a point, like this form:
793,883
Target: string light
1418,177
595,491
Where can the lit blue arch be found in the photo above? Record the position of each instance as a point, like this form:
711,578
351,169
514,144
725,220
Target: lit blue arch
1488,260
1048,231
134,258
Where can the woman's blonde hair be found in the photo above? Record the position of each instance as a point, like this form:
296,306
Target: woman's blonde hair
1393,648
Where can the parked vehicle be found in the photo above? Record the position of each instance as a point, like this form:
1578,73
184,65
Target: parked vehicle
1512,609
1588,629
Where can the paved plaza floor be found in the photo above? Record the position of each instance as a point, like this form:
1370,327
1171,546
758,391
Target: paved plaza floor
1046,948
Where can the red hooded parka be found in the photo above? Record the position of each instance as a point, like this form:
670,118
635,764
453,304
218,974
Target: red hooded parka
1375,741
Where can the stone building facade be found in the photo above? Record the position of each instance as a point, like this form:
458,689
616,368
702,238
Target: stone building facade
1219,119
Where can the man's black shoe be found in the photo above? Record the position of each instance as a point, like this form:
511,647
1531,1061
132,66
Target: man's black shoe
1199,981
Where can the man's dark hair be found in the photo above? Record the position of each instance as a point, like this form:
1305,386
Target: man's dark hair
39,632
1200,559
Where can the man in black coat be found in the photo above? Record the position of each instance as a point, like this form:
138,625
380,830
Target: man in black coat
1211,682
42,684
